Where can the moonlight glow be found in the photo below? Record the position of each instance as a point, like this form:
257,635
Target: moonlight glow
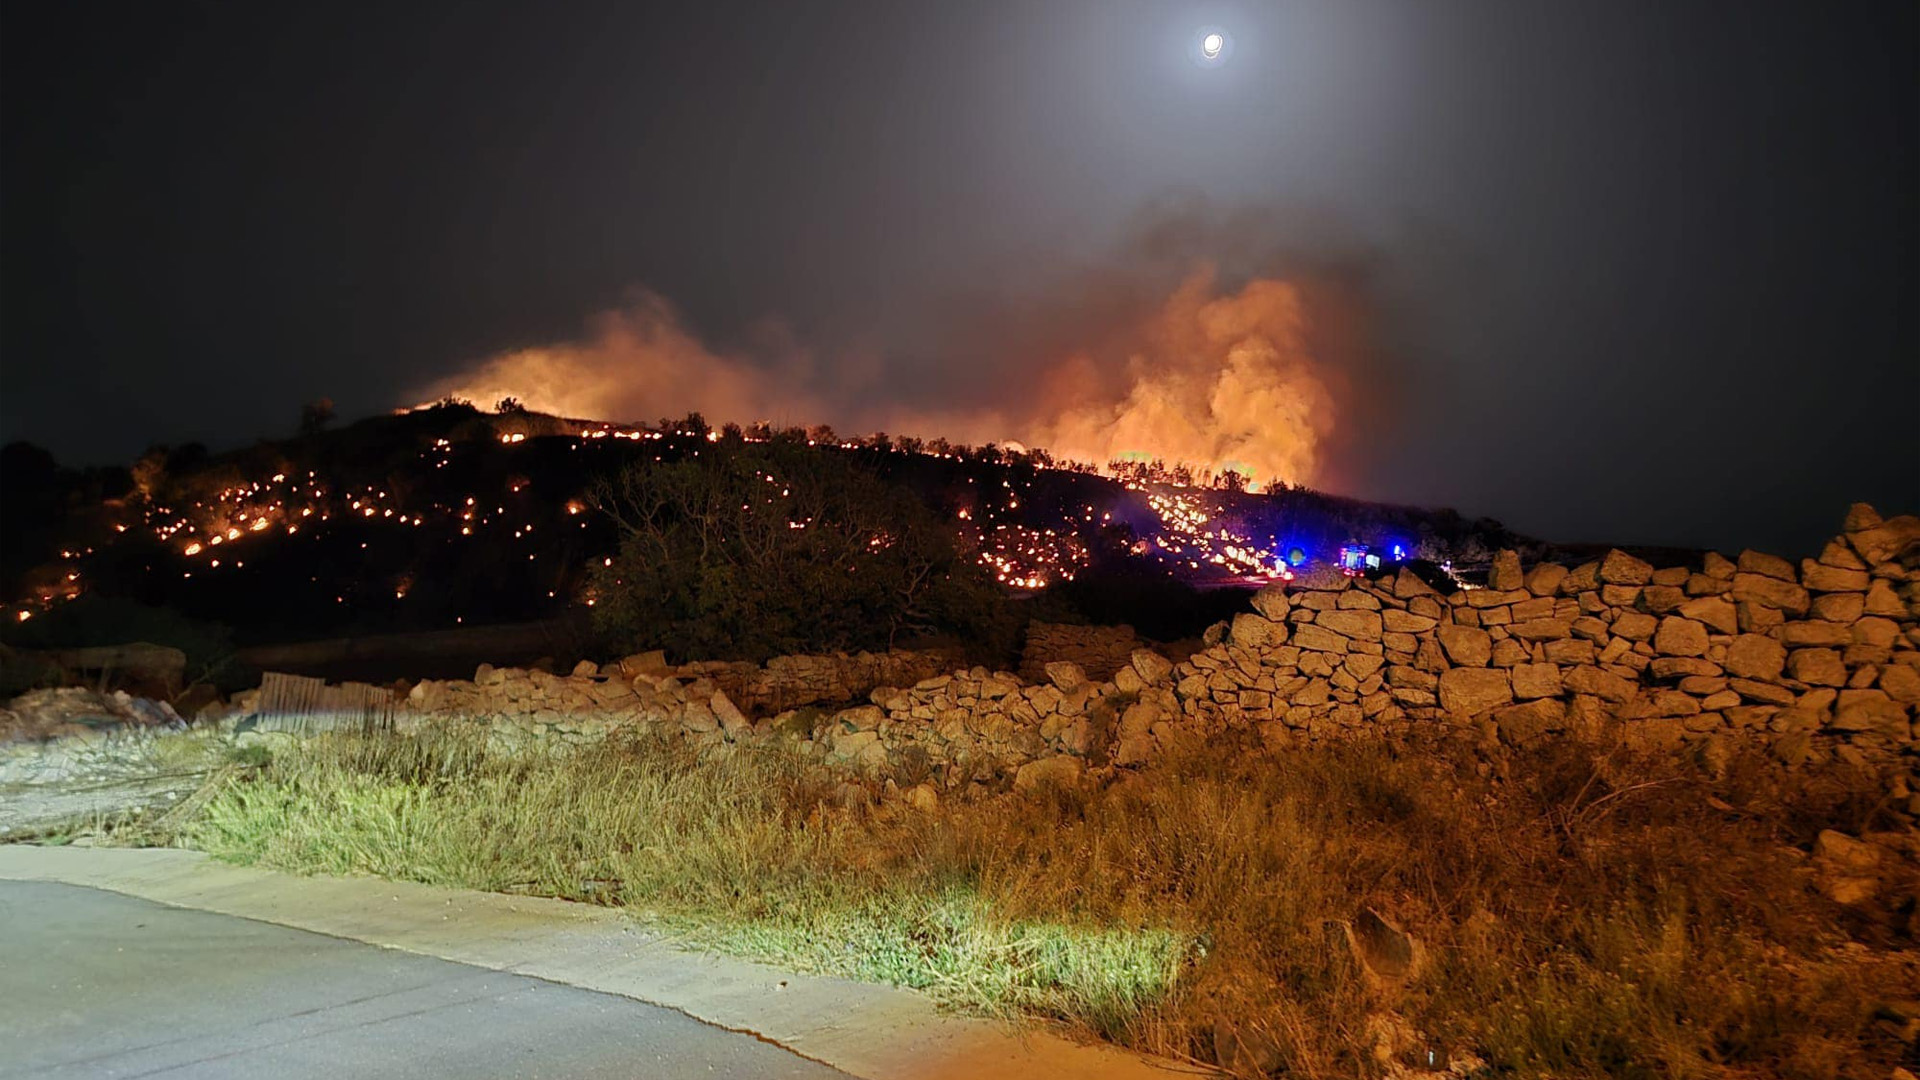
1211,45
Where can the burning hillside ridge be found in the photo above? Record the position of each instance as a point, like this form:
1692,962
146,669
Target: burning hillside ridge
451,516
1211,380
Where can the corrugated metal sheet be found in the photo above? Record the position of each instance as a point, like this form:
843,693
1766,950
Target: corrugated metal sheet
305,705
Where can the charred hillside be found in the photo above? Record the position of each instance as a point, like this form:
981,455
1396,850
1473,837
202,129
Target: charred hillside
450,516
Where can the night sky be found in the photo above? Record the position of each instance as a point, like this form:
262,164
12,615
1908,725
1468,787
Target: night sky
1641,272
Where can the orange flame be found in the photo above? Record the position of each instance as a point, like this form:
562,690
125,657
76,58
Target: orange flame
1208,380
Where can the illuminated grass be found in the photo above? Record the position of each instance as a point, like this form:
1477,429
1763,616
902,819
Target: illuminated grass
718,851
1578,923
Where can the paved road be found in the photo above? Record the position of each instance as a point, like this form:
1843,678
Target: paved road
96,984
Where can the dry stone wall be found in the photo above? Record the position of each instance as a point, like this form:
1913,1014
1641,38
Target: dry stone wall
644,691
1813,659
1101,651
791,682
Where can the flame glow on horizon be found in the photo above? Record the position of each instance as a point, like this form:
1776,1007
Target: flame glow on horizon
1210,380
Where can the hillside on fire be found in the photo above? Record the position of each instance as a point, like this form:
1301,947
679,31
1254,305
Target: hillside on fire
452,516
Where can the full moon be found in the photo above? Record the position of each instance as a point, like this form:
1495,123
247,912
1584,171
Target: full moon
1211,45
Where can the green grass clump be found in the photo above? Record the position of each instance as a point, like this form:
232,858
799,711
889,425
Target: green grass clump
1580,917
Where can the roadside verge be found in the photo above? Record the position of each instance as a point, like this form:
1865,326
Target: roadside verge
873,1032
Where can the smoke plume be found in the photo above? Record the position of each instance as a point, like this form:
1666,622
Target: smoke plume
1176,368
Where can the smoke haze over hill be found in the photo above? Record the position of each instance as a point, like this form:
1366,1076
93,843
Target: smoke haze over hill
1208,376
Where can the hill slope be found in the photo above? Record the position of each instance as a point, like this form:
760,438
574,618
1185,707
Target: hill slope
448,516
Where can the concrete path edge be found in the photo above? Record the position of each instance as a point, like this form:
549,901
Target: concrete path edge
872,1032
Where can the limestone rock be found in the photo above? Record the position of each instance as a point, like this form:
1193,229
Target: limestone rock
1545,579
1882,600
1814,632
1768,693
1540,607
1875,631
1405,622
1582,578
698,717
1901,683
1413,677
1771,591
1670,667
1407,585
1388,956
1758,618
1759,562
1466,646
1507,652
653,662
1665,703
1823,578
1153,668
1358,625
1837,553
1536,681
730,717
1357,600
1271,601
1542,629
1133,749
1662,599
1066,675
1521,724
998,686
1680,636
1468,691
1620,568
1839,856
1569,651
1860,516
1635,626
1059,770
1362,665
1505,574
1252,631
1839,607
1319,639
1879,714
1598,682
1817,667
1887,541
1756,656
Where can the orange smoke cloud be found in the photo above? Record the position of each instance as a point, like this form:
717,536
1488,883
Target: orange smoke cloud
640,362
1211,381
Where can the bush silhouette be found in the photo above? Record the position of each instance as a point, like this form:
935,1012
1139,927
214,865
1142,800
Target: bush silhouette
773,548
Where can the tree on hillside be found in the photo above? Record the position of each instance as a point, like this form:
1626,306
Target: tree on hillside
772,549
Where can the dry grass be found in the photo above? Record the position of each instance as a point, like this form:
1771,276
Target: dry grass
1582,917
